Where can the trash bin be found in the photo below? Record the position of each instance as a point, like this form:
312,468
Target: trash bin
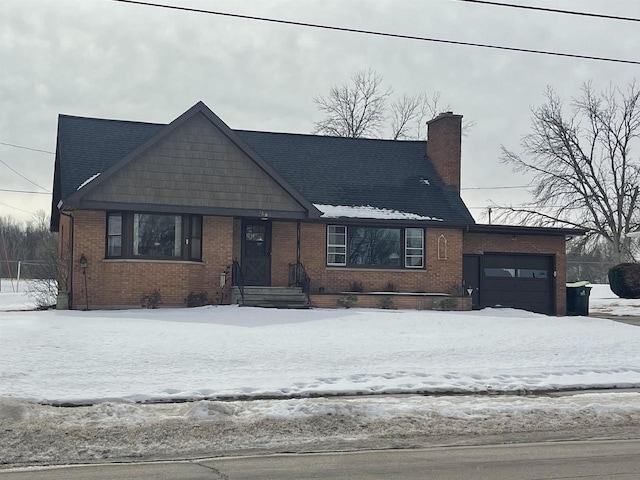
578,298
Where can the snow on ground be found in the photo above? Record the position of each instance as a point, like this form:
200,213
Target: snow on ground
216,352
40,434
14,295
115,357
603,301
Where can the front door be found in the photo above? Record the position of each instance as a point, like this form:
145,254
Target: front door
256,252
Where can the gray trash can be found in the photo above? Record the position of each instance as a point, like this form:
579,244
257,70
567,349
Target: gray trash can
578,298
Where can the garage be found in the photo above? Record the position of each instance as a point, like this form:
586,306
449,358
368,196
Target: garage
523,281
518,281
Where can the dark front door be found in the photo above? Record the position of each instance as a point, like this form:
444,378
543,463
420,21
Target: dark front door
256,252
471,278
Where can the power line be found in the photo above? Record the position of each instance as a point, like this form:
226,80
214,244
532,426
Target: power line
553,10
27,148
23,191
18,173
381,34
495,188
15,208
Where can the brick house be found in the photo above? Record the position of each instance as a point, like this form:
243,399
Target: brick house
144,207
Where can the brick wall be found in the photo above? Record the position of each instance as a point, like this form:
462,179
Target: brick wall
439,277
283,251
119,283
480,243
444,147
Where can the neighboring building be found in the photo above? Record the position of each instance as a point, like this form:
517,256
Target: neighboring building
144,207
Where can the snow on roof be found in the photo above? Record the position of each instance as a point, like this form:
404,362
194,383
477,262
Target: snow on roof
367,211
88,180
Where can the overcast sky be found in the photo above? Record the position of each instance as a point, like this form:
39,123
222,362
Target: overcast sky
100,58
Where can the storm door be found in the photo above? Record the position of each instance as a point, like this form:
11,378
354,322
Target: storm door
256,252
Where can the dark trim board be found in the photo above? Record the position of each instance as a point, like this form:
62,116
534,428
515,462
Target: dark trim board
186,209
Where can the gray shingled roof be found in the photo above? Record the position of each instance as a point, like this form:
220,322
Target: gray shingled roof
325,170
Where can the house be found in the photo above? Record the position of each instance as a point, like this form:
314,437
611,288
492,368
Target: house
147,209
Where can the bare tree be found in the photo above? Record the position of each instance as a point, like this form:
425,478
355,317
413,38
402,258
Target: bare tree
361,109
354,110
584,172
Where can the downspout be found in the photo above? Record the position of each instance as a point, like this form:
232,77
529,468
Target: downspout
298,242
71,259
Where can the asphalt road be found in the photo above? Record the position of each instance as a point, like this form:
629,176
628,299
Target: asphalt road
619,459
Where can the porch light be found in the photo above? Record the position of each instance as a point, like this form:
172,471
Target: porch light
83,261
264,215
223,279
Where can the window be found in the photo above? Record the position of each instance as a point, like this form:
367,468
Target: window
114,235
500,272
375,247
154,236
336,245
157,235
532,273
414,248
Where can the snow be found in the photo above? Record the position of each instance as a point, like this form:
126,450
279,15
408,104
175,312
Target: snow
234,352
367,211
121,431
88,180
603,301
107,360
15,296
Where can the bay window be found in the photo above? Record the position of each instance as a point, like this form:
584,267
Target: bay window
154,236
381,247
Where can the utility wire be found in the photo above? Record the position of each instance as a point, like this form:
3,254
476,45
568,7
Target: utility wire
15,208
23,191
381,34
553,10
495,188
18,173
27,148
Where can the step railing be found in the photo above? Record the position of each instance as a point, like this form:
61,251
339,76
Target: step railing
238,278
298,277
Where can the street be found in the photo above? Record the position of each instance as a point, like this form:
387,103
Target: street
619,459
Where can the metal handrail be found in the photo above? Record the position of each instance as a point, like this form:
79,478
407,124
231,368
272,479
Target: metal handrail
237,278
298,277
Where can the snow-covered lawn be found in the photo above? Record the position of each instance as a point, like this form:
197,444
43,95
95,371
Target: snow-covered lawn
110,358
214,352
603,301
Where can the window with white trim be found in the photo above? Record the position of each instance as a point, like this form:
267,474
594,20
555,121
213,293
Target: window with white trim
414,247
375,247
336,245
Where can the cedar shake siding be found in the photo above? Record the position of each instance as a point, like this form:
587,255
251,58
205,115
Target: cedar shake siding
195,165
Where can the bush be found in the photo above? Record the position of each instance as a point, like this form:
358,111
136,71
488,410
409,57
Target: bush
387,303
151,300
347,301
624,280
197,299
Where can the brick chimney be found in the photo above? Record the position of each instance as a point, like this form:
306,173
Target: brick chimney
444,140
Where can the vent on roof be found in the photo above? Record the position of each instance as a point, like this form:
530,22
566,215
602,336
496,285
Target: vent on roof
425,181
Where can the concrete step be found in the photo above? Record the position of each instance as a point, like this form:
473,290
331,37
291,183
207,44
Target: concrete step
270,297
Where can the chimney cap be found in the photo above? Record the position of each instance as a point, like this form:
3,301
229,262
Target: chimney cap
444,115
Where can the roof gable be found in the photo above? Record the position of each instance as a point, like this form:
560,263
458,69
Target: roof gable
196,161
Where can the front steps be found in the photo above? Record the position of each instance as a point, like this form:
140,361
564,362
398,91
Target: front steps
270,297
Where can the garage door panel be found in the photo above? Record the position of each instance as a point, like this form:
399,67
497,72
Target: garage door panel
518,281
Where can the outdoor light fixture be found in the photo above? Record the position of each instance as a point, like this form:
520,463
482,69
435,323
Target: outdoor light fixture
223,279
83,261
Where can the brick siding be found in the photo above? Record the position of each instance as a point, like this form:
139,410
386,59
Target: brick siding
122,283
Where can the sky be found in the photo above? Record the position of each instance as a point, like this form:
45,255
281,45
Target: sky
101,58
